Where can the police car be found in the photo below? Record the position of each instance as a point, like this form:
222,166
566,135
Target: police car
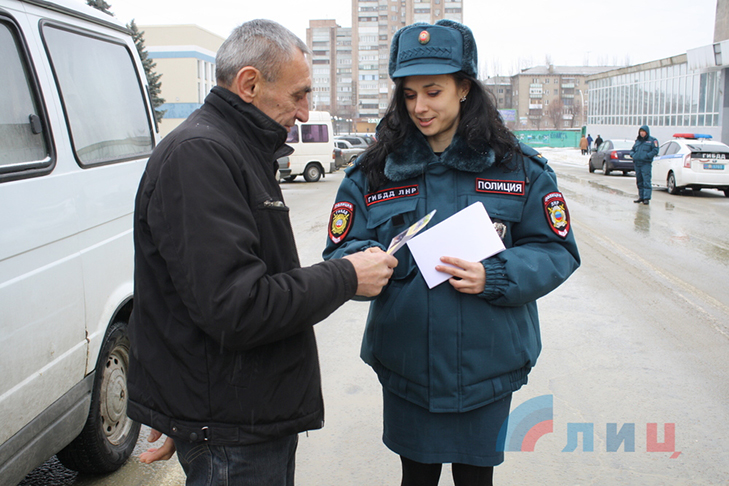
692,161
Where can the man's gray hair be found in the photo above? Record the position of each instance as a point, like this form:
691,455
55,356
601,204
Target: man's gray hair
263,44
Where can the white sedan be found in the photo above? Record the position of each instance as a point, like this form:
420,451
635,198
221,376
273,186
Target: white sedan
692,161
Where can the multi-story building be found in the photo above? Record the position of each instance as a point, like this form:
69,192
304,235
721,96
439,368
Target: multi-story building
373,24
185,57
553,97
685,93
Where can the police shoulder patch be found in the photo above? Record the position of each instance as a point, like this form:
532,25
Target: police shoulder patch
341,220
558,217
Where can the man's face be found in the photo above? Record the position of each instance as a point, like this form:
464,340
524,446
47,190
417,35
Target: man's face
285,100
642,133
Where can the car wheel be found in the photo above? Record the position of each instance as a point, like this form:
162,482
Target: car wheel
671,184
351,161
289,178
605,169
108,438
590,167
726,192
312,172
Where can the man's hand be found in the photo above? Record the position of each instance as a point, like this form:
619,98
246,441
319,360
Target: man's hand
157,454
374,269
469,277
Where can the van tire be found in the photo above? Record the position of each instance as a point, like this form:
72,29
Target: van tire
109,436
313,172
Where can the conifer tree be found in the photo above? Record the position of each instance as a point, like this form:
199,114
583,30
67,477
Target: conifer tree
155,86
100,5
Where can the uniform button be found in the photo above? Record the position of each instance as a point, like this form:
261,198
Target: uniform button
174,429
193,437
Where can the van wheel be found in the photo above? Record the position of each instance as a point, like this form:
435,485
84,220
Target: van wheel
289,178
108,438
312,173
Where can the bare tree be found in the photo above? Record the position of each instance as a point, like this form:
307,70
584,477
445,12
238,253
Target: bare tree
555,112
576,111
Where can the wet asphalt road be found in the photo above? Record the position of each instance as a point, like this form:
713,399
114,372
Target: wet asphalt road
638,335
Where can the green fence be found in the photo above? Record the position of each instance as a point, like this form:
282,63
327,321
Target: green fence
549,138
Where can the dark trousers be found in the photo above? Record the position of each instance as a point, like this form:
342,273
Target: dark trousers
264,464
643,179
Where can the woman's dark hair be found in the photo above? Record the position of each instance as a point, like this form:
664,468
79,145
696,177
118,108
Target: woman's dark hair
480,125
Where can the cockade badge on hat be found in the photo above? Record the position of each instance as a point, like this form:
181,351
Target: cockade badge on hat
424,37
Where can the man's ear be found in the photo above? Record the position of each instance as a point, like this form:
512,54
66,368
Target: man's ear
246,83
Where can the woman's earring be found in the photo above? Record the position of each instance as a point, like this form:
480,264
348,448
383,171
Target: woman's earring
463,99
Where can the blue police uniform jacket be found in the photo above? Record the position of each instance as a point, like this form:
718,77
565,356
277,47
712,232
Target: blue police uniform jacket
439,348
644,149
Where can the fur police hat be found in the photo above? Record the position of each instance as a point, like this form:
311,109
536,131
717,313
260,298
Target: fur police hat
424,49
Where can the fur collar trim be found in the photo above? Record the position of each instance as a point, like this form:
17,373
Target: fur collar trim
413,157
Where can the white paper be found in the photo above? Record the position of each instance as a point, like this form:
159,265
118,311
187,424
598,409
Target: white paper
469,235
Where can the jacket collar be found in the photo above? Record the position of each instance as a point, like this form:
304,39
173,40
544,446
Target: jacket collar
411,159
258,128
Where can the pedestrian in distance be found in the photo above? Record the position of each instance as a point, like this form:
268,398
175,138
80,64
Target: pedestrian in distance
589,143
449,358
223,354
642,153
583,145
598,142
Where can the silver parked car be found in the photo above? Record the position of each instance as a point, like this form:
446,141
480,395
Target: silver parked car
348,152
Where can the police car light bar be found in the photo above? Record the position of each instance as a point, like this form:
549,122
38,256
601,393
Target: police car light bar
693,136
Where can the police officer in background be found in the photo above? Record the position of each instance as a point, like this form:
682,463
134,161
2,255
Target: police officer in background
643,151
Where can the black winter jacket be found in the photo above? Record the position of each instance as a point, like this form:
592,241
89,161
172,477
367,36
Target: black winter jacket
222,344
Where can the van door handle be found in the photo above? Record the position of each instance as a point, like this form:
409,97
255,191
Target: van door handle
35,124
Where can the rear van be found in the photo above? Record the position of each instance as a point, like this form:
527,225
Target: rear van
76,129
313,145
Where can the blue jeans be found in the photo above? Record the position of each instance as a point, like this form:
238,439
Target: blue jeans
264,464
643,179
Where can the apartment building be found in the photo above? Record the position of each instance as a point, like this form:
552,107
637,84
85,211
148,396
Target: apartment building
350,65
552,97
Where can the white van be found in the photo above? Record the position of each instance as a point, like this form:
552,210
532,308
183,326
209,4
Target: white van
76,129
313,144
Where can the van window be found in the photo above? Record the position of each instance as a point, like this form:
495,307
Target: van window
314,133
101,96
293,136
21,134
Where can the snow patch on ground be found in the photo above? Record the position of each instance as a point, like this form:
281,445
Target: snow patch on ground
564,155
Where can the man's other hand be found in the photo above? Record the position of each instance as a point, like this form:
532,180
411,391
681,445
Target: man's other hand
374,269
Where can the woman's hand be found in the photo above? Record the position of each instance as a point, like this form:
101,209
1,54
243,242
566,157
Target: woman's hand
157,454
467,277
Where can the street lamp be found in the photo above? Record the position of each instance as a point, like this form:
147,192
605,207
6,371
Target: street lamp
582,108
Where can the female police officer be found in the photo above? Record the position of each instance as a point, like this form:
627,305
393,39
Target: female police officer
450,357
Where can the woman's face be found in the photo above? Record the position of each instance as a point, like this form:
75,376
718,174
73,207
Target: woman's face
433,103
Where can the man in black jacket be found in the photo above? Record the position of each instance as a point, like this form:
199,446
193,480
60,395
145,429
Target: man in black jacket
223,355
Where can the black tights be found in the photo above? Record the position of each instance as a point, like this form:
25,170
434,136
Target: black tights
419,474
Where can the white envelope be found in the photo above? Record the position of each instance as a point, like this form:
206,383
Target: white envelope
469,235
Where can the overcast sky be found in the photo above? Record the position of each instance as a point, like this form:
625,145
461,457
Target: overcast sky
510,34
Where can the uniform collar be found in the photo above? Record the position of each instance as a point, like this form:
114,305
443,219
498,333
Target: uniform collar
411,159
